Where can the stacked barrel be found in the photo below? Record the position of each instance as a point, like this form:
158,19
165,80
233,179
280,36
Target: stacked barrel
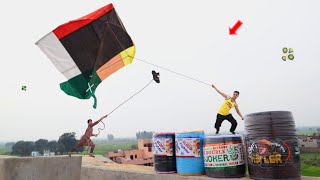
272,146
164,152
224,156
271,150
189,152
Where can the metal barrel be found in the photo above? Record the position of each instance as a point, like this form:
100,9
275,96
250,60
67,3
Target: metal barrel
224,156
272,145
164,152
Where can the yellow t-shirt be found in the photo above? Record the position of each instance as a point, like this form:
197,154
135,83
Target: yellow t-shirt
226,107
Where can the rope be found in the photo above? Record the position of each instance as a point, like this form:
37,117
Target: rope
197,80
104,126
130,97
101,129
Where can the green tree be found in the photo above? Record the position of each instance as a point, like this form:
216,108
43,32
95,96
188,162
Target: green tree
9,145
23,148
60,149
110,137
40,145
52,146
68,140
144,135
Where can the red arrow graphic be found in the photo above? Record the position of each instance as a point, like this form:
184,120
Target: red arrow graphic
233,30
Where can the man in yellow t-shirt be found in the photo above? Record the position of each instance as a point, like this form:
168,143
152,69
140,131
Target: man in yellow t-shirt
224,111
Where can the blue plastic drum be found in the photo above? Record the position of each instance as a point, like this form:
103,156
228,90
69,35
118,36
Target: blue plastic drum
189,153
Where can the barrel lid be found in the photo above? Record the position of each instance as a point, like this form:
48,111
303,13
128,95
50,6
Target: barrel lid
182,132
224,136
163,133
267,113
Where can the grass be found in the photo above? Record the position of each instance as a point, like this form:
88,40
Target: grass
308,132
103,148
307,170
310,164
4,151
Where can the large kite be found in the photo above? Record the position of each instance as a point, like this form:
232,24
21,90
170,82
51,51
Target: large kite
88,50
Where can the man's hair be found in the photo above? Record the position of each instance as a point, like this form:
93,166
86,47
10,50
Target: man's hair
89,120
237,92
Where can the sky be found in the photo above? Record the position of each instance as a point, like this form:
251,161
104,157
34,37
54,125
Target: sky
186,36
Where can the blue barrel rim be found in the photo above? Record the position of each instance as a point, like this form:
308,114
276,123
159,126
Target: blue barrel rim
185,132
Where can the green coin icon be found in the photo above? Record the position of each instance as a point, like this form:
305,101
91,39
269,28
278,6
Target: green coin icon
291,57
284,50
284,58
290,50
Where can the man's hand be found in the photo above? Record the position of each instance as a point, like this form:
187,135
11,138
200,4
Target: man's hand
102,118
242,118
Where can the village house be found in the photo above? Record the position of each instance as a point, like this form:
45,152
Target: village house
141,156
309,143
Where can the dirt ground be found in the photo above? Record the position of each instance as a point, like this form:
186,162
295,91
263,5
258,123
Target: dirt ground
86,160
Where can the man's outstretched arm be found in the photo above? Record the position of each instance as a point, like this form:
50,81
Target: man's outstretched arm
220,92
238,111
95,123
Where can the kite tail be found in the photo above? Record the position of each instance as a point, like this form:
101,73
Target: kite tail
95,101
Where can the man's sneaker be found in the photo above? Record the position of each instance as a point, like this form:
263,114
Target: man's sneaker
91,155
233,132
217,132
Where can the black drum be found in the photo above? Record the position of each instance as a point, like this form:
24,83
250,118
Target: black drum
224,156
272,146
164,152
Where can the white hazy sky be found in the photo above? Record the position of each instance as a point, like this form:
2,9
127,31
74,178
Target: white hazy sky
190,37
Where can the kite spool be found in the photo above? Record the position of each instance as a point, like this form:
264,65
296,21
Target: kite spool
164,152
224,156
272,145
189,153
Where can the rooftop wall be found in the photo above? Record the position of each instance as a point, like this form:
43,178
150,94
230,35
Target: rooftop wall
40,168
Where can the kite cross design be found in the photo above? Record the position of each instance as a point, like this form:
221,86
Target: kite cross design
89,89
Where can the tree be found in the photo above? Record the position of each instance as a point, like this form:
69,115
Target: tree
9,145
144,135
23,148
133,146
110,137
60,149
52,146
68,140
40,145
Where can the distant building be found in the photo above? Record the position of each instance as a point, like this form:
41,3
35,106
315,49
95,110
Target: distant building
48,153
309,143
45,153
35,153
141,156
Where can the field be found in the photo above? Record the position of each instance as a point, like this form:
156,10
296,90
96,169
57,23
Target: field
306,132
310,164
103,147
4,151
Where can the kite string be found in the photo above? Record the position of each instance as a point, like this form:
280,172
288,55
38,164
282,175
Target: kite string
104,126
130,97
197,80
101,129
